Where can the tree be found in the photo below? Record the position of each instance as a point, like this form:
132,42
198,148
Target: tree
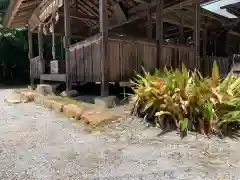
14,62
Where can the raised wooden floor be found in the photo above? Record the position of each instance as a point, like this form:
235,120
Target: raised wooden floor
53,77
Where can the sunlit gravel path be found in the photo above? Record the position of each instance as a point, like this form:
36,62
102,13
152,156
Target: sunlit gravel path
37,144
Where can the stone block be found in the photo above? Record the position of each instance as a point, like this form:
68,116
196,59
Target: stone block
14,98
40,100
45,89
28,96
47,103
95,118
106,102
71,93
57,106
73,111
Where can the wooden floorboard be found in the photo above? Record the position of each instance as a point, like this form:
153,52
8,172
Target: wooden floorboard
53,77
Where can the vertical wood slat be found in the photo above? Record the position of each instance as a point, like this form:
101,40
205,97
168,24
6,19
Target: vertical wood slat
30,55
149,23
35,65
85,60
159,32
40,50
222,62
197,31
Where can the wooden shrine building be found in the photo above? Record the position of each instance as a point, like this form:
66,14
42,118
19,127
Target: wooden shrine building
118,37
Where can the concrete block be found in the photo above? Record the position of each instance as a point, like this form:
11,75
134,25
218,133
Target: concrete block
46,89
71,93
106,102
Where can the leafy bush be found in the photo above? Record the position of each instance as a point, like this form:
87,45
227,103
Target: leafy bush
186,101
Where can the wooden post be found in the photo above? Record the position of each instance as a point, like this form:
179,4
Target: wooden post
149,24
197,33
159,31
30,55
181,31
53,42
103,19
67,43
215,45
227,43
204,52
40,50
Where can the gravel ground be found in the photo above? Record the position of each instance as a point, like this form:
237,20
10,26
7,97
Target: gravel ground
37,144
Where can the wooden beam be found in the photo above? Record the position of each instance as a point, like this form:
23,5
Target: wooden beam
20,20
62,35
159,32
24,13
53,42
118,13
27,4
144,13
204,50
43,11
103,19
40,49
11,14
53,77
169,7
197,31
234,33
79,15
67,43
30,55
181,31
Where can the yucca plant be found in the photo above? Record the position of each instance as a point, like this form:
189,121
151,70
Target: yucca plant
186,101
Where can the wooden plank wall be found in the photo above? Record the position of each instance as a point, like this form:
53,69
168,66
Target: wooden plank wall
125,55
223,64
35,67
175,55
85,64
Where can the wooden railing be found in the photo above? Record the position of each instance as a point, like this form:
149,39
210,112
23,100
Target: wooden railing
128,55
85,62
35,67
125,56
222,62
175,55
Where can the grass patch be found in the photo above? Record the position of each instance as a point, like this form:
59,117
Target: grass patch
67,100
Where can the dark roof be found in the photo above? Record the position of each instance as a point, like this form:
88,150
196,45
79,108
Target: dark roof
233,8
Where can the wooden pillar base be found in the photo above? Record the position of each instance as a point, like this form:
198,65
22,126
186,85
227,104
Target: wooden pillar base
104,89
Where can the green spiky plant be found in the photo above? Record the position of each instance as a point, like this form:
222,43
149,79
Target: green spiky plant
186,101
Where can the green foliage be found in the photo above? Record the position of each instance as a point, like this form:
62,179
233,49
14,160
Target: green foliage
186,101
14,63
